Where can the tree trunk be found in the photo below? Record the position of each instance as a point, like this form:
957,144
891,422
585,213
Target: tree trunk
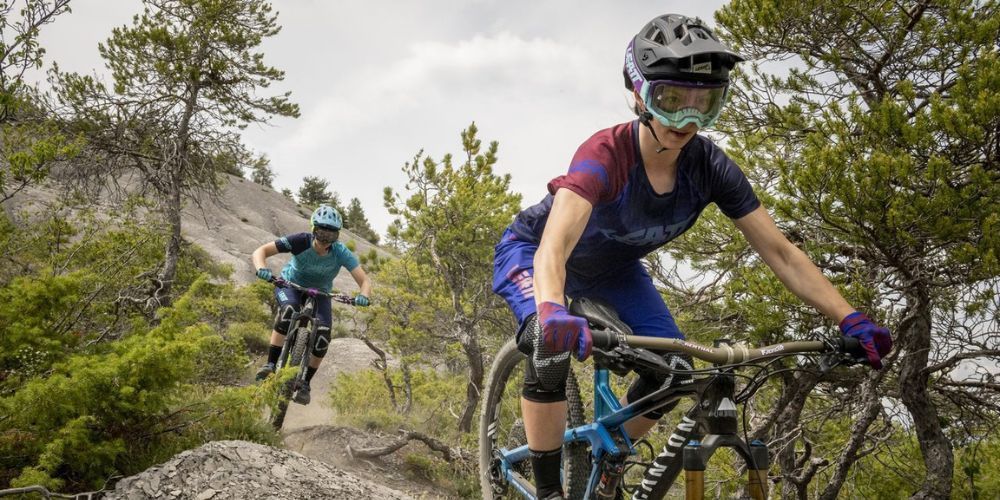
915,337
786,430
474,355
172,212
871,405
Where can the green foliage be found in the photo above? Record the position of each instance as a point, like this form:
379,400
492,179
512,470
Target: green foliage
89,387
876,155
362,399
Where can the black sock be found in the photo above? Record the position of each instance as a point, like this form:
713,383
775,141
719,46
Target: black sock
310,372
546,465
272,354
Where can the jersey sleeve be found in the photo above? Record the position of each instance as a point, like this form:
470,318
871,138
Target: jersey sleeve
731,189
598,171
347,258
294,243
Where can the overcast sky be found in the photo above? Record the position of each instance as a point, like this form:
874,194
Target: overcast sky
378,81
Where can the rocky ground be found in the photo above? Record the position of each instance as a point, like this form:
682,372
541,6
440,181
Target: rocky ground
240,470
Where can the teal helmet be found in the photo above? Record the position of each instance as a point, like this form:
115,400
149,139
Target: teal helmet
326,217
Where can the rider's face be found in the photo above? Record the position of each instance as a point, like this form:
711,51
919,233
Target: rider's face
325,237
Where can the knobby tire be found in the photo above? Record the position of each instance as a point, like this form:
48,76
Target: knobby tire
501,415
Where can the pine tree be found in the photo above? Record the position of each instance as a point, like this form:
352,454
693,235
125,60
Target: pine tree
187,76
447,224
261,172
356,221
313,192
877,155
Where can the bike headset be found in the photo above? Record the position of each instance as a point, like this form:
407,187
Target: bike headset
680,71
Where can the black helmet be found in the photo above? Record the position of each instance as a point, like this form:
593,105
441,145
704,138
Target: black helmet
676,47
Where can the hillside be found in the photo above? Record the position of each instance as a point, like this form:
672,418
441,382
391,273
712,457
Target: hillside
245,216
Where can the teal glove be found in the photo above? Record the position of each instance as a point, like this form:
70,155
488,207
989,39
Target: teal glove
361,301
264,274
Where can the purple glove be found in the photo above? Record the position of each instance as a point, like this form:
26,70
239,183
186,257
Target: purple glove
875,339
562,332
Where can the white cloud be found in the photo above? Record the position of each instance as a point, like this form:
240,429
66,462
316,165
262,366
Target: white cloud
378,81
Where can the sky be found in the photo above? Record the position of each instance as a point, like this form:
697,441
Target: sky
379,81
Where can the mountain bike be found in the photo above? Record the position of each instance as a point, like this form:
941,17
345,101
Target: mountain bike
301,337
597,454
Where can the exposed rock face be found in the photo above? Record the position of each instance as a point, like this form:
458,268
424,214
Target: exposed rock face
240,470
229,228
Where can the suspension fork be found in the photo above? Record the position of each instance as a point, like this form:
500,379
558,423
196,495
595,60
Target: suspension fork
289,338
662,473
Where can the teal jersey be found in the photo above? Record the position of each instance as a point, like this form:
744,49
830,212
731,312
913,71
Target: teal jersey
310,269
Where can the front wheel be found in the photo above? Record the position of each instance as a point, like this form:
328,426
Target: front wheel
501,427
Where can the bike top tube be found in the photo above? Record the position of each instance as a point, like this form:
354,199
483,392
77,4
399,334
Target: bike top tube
724,354
313,292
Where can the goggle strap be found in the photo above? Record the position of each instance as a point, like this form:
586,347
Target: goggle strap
644,119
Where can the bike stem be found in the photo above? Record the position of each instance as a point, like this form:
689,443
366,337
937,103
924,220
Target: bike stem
719,421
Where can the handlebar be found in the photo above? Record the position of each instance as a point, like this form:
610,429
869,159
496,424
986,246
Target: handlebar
313,292
726,354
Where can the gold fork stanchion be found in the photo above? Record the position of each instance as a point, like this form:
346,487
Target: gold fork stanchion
694,472
757,472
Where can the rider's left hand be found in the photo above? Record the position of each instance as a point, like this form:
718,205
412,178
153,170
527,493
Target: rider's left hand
876,340
361,301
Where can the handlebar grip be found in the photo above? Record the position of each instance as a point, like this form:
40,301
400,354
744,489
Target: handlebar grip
604,339
851,345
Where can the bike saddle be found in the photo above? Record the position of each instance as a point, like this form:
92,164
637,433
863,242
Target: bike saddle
599,313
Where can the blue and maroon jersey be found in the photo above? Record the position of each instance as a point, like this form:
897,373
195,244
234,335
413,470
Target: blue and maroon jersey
310,269
630,219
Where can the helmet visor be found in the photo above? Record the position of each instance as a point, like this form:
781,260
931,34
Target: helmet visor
676,104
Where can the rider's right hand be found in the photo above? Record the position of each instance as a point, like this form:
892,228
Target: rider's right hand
562,332
264,274
876,340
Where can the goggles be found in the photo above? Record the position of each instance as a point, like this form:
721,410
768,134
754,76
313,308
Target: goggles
676,104
325,236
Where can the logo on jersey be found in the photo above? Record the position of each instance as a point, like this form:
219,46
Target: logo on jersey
653,235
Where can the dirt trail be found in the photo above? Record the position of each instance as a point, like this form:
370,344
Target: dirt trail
344,355
309,429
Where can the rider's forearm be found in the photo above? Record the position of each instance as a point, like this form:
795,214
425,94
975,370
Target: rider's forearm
258,258
550,277
567,220
805,280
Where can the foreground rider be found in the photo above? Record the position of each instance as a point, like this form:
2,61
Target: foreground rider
629,190
316,259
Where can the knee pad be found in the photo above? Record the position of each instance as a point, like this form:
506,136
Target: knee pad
650,381
545,371
284,318
322,341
